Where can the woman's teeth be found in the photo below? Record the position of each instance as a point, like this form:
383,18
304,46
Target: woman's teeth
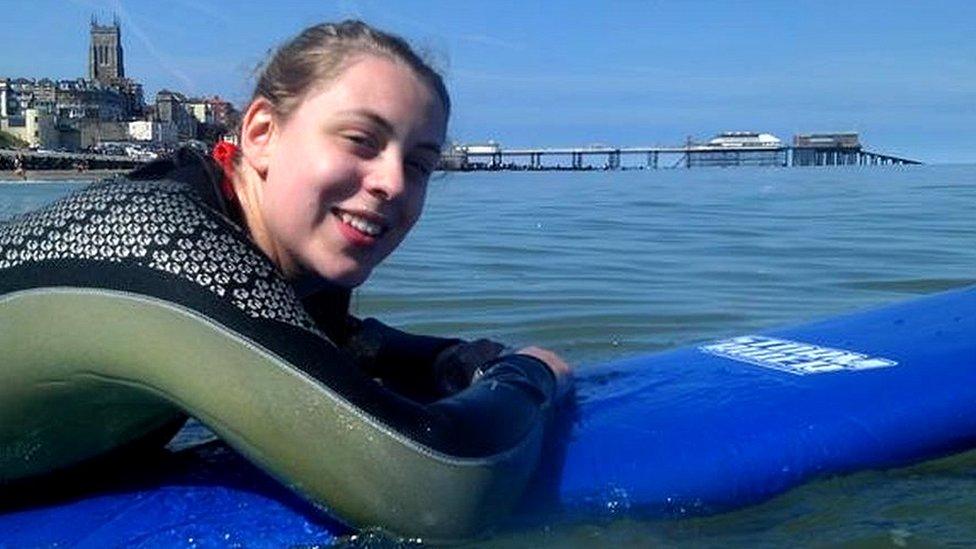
360,224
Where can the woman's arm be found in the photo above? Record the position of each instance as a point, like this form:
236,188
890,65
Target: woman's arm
422,368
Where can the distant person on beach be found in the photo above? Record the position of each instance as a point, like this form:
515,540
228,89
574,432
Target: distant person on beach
19,167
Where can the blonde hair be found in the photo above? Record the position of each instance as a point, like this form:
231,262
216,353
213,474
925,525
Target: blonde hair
320,53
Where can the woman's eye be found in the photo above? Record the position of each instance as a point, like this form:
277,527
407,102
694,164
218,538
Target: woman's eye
420,168
362,140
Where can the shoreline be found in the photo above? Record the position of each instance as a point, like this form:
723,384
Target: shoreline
33,176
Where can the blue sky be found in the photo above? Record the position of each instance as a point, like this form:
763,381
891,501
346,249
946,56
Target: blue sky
573,73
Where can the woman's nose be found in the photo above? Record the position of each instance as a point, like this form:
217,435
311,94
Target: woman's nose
386,179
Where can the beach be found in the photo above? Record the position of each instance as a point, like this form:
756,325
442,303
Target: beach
57,175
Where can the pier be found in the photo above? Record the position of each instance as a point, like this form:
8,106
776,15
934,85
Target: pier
728,149
663,157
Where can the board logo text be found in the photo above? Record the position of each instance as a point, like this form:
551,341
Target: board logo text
792,356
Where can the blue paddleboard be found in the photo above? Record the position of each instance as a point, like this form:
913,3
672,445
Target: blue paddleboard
698,430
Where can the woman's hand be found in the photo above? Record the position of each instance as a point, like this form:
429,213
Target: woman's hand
559,367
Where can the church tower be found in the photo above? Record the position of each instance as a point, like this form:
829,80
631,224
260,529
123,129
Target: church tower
105,53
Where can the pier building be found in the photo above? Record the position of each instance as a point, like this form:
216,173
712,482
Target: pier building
827,149
738,149
745,139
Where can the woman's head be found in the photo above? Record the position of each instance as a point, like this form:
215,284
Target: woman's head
338,143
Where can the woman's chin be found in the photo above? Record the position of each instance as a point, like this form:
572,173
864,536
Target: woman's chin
347,278
339,269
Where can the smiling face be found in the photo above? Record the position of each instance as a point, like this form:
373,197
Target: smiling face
344,177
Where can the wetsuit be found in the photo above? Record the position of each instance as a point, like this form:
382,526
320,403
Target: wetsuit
423,368
151,302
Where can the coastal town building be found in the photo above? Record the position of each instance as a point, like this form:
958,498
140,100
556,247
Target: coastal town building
201,110
212,110
34,127
224,113
81,113
172,108
214,116
105,61
152,131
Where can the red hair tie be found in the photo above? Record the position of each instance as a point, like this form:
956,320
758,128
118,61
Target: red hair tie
225,153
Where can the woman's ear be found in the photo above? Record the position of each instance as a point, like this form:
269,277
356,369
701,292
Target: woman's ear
258,132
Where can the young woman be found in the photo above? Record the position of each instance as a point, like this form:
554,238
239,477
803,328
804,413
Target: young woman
343,131
221,290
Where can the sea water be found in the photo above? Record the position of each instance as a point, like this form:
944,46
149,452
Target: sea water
602,265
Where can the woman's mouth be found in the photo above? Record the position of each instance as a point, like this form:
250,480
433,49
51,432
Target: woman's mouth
361,228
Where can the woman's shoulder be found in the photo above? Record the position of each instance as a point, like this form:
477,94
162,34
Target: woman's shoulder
186,170
154,222
169,202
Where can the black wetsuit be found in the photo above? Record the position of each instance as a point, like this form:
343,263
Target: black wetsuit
136,301
430,371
